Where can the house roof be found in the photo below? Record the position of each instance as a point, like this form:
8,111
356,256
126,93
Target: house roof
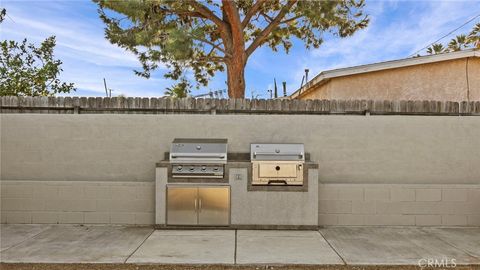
325,76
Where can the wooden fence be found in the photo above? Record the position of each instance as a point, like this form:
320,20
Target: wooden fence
76,105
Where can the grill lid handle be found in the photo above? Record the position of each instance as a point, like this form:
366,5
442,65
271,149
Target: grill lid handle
198,156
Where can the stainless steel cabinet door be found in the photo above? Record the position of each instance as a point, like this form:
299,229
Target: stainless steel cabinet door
182,205
214,205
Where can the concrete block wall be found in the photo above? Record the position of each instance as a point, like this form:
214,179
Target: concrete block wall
397,204
51,163
78,202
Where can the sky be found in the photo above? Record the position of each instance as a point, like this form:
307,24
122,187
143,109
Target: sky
396,30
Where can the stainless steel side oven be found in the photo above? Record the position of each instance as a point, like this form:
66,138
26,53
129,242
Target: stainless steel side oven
277,164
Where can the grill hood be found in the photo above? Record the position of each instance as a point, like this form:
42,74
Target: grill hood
199,151
277,152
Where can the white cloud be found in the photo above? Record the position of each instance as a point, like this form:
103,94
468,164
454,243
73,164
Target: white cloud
77,37
87,56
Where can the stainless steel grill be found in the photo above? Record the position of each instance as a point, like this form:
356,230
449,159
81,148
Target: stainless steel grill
277,164
198,158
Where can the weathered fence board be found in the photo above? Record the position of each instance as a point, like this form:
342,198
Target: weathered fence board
131,105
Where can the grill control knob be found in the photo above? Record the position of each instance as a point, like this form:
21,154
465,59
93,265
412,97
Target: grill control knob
215,168
179,168
204,168
192,168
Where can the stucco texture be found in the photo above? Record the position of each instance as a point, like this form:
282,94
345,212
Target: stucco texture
349,149
453,80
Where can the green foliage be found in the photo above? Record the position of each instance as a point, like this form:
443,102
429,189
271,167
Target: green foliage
460,42
156,37
474,36
27,70
309,20
207,36
3,13
436,48
179,90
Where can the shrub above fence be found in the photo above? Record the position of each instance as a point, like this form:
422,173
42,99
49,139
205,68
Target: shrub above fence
69,105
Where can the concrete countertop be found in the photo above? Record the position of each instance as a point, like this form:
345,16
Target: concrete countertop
233,158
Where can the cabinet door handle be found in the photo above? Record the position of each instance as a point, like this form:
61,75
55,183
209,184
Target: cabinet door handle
200,205
195,201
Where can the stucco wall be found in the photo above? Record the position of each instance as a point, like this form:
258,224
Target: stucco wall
474,78
373,170
349,149
440,81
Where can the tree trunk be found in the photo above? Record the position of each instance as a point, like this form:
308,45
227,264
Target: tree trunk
235,46
236,77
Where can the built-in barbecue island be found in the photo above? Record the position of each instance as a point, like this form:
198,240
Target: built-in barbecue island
200,184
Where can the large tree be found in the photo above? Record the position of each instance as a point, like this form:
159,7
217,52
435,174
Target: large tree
207,36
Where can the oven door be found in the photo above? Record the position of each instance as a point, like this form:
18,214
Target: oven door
278,170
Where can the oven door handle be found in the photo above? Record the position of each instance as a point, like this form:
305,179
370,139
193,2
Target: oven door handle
277,182
277,154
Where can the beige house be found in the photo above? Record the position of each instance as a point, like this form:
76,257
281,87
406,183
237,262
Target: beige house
451,76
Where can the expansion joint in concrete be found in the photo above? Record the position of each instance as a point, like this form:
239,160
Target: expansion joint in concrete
139,246
332,247
235,249
26,239
450,244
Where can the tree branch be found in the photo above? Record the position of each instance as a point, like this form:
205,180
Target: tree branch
267,18
177,12
233,17
211,59
204,11
253,10
215,46
291,19
223,28
265,32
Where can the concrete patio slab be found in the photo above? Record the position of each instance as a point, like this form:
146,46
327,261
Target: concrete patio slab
466,239
187,247
284,247
14,234
392,246
355,245
78,244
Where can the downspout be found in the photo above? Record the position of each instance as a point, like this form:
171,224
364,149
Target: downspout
466,76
